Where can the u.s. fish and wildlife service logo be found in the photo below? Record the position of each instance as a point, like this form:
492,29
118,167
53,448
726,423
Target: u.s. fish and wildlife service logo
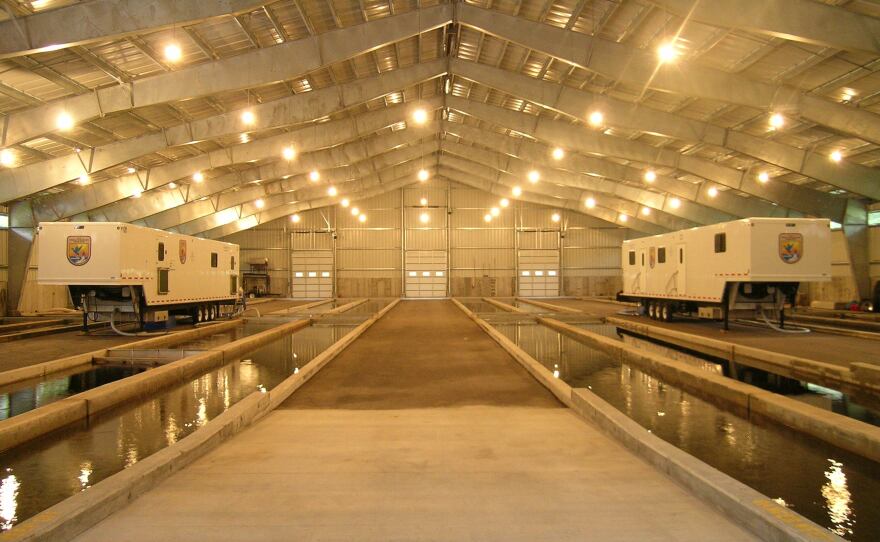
791,247
181,251
79,249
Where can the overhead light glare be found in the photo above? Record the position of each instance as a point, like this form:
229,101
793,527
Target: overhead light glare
83,179
332,191
420,116
295,218
495,211
667,52
650,176
173,52
712,191
424,218
362,217
423,201
763,176
555,217
314,175
248,117
344,202
487,217
355,211
288,153
558,153
590,203
259,204
836,156
646,211
534,176
622,217
504,202
64,121
198,176
675,203
777,121
596,119
7,158
516,191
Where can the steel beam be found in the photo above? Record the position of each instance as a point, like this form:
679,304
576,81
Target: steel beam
588,141
606,176
601,213
255,68
23,181
854,178
805,21
162,208
310,138
573,195
345,180
383,182
639,68
105,20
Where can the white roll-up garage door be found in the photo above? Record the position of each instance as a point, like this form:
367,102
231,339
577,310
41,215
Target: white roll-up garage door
312,273
425,273
538,273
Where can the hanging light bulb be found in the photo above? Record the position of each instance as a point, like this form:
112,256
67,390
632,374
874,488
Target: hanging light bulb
332,191
667,52
558,153
424,218
295,218
172,185
650,176
344,202
362,217
675,203
259,204
487,217
555,217
355,211
288,153
646,211
777,121
420,116
314,175
590,202
137,193
763,176
516,191
712,191
198,176
248,117
423,201
836,156
83,179
596,119
504,202
495,211
7,158
423,175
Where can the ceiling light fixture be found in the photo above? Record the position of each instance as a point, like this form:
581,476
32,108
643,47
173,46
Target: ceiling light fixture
558,153
173,52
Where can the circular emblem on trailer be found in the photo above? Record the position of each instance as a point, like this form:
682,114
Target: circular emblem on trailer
791,247
79,249
181,251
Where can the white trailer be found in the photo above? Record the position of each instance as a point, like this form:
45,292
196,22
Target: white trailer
132,273
748,265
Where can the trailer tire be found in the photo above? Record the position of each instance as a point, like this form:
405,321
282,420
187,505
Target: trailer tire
212,313
665,312
652,310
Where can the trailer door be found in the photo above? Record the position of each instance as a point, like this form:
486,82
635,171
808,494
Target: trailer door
680,270
643,270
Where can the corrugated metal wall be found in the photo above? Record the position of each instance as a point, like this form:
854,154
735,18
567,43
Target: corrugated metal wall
482,255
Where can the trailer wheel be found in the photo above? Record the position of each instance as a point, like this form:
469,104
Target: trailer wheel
212,313
665,312
652,310
201,313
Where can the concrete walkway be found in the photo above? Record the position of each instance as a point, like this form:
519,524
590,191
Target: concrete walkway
423,429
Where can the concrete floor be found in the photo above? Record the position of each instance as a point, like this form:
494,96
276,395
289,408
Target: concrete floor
423,429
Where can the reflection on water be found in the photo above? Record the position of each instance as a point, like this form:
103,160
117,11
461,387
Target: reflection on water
44,472
830,486
25,396
479,306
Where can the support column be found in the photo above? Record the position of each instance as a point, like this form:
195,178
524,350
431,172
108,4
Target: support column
21,242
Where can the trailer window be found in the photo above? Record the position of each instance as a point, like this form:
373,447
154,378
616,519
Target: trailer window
681,255
232,263
162,286
213,259
632,257
161,252
661,255
720,242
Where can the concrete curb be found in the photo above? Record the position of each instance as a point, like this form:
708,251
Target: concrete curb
783,364
500,305
342,308
40,421
78,513
857,437
297,308
39,370
742,504
550,306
